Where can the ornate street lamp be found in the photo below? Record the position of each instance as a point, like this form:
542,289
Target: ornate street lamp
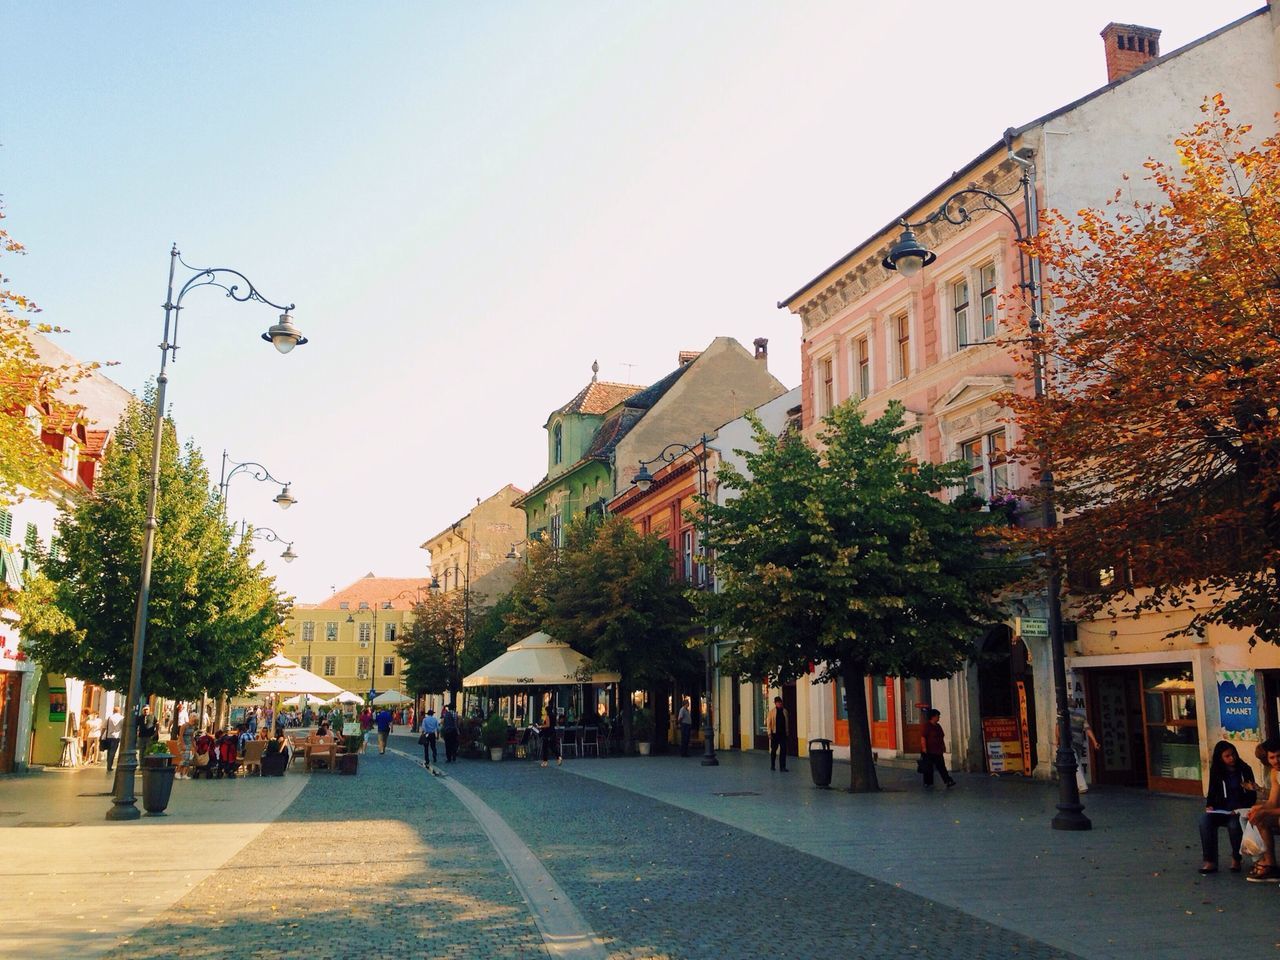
285,498
284,336
908,257
269,535
644,479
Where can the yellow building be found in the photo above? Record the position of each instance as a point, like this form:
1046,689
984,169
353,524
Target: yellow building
349,638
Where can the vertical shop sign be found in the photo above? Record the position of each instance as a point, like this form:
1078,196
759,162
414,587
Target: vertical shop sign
1023,729
57,704
1238,704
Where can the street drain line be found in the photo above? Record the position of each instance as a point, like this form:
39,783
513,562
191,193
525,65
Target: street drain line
564,930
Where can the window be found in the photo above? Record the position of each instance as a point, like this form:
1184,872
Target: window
686,554
366,632
988,464
362,668
557,451
308,632
331,630
344,605
862,357
388,666
386,604
388,631
330,666
960,312
364,604
70,457
902,338
987,281
304,662
6,524
826,386
555,531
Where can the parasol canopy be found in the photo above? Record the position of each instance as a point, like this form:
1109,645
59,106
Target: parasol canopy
391,697
282,675
537,660
346,696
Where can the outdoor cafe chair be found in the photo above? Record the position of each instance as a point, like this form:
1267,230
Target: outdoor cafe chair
569,741
590,740
253,751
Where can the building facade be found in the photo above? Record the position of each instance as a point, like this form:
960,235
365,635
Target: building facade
472,552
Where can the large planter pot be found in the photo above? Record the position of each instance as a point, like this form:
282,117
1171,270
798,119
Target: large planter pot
495,753
157,783
643,747
349,764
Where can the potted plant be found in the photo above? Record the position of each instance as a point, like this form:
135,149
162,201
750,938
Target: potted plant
157,778
349,762
642,728
494,735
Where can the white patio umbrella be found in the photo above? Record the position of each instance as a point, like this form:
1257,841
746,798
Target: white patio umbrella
390,698
297,701
345,697
282,675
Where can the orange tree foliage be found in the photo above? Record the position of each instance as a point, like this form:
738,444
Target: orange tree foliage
1162,414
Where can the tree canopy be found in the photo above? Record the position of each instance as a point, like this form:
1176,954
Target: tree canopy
1162,417
431,644
214,617
844,558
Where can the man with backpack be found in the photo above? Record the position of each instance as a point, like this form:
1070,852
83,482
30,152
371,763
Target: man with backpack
384,721
449,728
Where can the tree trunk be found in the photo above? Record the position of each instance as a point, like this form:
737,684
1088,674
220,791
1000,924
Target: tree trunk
862,768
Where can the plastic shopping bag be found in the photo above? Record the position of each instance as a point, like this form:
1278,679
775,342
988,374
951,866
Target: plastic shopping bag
1251,844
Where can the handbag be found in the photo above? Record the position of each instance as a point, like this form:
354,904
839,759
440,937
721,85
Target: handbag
923,765
200,760
422,739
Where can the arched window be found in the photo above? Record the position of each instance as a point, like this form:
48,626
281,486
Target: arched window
557,444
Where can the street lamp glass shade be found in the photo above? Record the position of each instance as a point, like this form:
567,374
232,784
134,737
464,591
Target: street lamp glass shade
284,336
288,556
285,498
512,555
907,256
644,479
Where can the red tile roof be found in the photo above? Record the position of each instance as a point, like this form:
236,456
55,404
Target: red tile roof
600,396
401,592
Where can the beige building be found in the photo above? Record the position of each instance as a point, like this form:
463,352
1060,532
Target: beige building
349,638
472,551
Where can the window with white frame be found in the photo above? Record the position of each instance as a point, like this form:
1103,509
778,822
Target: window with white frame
555,530
70,457
366,632
304,661
960,313
362,668
330,666
987,284
557,444
331,630
988,462
862,366
388,666
308,631
388,631
900,327
686,555
826,386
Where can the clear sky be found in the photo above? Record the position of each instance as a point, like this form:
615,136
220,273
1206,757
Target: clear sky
470,202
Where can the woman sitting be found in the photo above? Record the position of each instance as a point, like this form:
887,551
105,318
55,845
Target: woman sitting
1231,788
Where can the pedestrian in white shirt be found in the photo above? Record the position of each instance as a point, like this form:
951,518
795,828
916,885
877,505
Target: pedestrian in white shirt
112,731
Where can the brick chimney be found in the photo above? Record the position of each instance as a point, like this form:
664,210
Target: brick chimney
1128,47
762,349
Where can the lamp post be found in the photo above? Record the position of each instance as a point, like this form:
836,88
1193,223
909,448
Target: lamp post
269,535
643,479
284,498
908,256
284,336
373,668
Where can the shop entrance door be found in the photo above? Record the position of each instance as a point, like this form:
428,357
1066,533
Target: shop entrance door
793,731
1115,713
915,701
10,691
880,698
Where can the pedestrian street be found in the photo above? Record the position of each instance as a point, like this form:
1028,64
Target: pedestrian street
638,857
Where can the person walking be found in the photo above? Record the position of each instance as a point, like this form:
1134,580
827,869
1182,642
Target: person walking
449,730
112,731
146,730
550,742
685,719
776,723
93,738
383,721
932,747
429,733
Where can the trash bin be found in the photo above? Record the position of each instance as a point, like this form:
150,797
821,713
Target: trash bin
820,760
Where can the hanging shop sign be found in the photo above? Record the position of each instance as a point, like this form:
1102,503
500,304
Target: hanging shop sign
1238,704
1003,743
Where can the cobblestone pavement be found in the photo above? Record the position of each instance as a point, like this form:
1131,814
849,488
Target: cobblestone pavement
381,864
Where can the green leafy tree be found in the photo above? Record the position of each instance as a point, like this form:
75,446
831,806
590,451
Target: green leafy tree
844,555
432,644
488,628
613,597
214,617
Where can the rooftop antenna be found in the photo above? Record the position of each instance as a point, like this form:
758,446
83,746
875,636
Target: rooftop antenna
630,367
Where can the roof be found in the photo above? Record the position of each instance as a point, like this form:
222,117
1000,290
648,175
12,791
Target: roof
597,397
1004,143
400,592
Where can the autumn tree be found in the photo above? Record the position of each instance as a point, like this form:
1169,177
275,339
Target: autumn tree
1162,415
214,616
432,643
845,556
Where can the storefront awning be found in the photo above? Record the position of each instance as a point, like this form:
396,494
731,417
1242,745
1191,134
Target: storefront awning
537,661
